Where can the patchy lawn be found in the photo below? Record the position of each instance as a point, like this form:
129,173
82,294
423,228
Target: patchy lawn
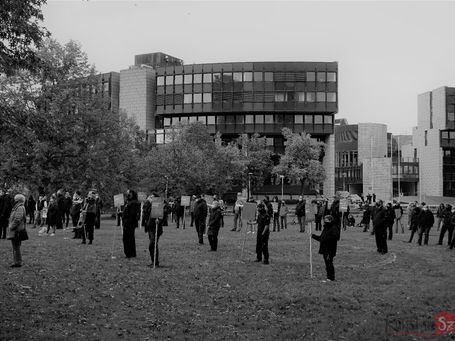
66,290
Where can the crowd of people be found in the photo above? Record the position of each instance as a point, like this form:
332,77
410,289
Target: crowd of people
53,212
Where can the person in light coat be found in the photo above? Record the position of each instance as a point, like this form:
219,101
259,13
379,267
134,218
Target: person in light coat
16,223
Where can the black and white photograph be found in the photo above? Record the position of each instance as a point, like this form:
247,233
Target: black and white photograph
227,170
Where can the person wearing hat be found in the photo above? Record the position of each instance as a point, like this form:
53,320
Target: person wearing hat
262,238
328,244
426,221
16,223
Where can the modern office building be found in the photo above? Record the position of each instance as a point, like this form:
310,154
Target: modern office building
434,137
369,160
161,92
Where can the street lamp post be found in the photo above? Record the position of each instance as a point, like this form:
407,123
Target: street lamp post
249,185
282,186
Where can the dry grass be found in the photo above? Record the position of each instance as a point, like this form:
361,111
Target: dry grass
66,290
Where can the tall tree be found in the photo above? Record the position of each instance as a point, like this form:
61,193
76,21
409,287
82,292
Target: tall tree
21,34
301,161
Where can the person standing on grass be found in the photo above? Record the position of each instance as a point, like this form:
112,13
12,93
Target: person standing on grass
61,208
284,210
447,225
214,225
6,206
439,216
193,201
398,214
89,217
53,215
76,207
30,208
16,223
380,228
328,245
40,206
415,220
426,221
238,206
130,218
276,214
263,233
179,213
67,204
390,219
300,213
150,227
200,217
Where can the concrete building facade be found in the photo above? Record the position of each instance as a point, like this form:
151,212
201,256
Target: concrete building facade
434,137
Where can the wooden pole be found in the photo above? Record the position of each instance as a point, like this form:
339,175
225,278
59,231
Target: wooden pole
156,242
311,252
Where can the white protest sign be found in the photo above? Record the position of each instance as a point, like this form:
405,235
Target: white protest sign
119,200
185,200
157,210
141,196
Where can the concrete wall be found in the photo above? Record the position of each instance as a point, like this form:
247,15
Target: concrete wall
377,178
431,106
372,140
329,165
137,95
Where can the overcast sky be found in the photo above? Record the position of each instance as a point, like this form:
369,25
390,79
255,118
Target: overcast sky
387,52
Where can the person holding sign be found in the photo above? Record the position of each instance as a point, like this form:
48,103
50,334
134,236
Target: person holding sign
131,216
328,245
262,239
214,225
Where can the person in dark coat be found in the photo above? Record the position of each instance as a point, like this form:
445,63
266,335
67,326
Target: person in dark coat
300,213
200,216
61,208
99,207
130,218
179,212
334,211
398,214
30,208
67,204
154,228
415,220
366,218
89,218
6,206
214,225
263,233
53,215
447,225
328,245
390,219
426,221
380,228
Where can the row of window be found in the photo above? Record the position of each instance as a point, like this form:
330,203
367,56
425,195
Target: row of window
346,174
239,97
346,159
228,77
405,170
241,119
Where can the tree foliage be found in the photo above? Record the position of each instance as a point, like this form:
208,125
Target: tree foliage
302,159
20,34
58,131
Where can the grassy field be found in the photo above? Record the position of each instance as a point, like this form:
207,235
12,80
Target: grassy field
66,290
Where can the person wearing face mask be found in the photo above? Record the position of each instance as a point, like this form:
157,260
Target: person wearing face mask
426,221
328,245
300,213
263,233
131,216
